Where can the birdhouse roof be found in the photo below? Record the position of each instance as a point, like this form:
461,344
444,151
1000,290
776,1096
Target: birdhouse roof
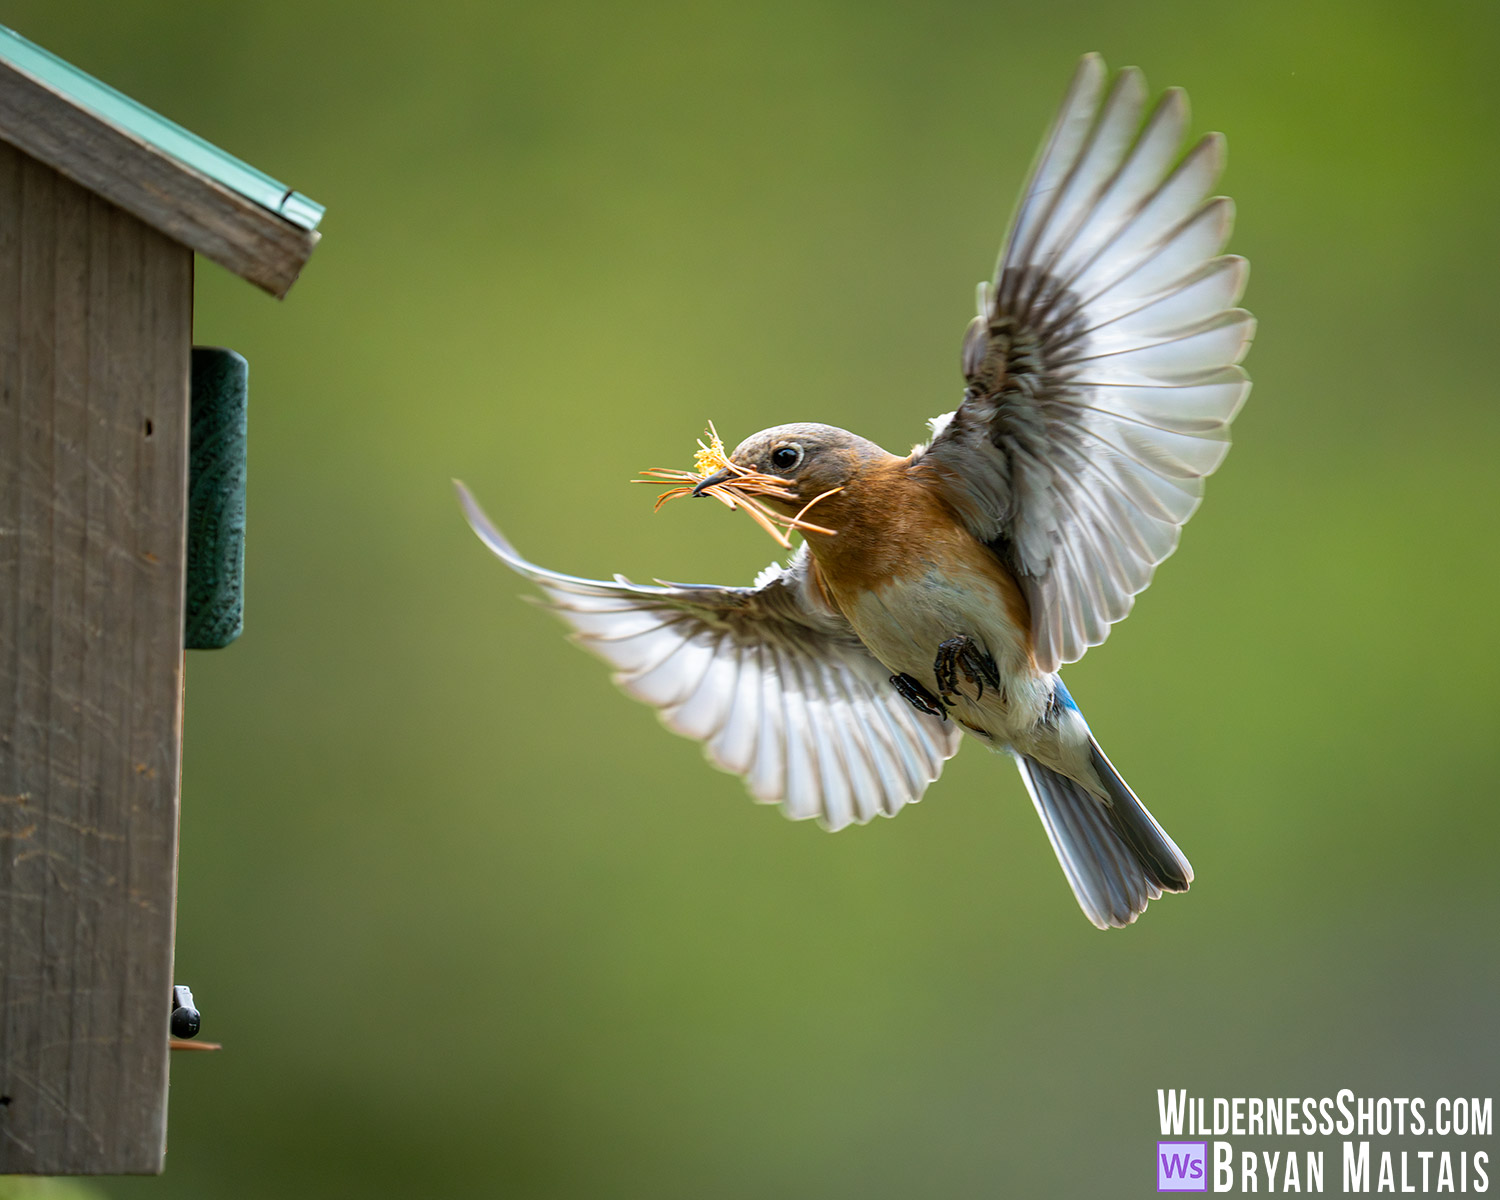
187,188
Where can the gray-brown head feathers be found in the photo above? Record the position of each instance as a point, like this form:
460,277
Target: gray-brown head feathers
812,458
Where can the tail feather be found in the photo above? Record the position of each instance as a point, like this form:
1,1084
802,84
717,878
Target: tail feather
1116,857
1156,851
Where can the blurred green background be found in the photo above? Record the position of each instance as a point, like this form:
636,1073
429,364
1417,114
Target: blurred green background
470,924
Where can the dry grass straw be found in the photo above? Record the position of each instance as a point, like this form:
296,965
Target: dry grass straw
742,490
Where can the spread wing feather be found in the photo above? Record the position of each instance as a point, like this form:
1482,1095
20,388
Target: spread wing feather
775,684
1102,367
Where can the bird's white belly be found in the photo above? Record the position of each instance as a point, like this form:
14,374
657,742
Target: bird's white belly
904,621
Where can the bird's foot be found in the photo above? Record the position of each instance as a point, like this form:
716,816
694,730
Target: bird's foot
919,697
964,654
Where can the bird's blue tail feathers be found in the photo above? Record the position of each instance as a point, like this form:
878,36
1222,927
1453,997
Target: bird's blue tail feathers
1116,857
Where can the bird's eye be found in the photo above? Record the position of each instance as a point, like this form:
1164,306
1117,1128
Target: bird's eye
784,458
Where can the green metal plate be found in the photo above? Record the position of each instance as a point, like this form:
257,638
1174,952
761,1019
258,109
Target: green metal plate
215,610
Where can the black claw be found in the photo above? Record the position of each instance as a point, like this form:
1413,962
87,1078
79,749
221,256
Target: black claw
963,653
919,697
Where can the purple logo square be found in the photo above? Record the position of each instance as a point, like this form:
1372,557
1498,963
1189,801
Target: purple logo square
1182,1166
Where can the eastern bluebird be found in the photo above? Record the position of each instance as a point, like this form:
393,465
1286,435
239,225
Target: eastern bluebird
940,592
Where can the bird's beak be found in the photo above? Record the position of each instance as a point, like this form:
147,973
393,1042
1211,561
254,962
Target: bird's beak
714,479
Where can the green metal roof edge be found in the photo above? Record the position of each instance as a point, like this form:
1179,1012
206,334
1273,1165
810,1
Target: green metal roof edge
167,136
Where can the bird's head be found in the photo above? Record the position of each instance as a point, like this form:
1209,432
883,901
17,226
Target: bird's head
775,475
807,460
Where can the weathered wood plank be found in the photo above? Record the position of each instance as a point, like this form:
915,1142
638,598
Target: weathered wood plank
174,199
95,338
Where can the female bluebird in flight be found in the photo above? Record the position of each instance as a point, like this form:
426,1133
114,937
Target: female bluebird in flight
940,592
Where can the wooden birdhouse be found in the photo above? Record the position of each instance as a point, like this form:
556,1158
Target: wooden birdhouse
104,405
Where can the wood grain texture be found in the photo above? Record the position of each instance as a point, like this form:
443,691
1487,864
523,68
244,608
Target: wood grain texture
95,336
188,207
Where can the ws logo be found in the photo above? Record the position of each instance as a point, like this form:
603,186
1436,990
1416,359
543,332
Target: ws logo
1182,1166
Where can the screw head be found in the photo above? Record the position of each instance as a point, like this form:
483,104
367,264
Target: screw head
185,1022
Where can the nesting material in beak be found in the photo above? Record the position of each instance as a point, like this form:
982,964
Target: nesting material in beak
735,486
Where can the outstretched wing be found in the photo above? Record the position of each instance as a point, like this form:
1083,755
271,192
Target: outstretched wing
1102,366
774,683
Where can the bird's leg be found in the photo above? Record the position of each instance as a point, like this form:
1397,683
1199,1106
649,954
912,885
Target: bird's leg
919,697
963,653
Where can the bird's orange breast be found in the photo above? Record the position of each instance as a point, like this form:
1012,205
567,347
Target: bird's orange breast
892,527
